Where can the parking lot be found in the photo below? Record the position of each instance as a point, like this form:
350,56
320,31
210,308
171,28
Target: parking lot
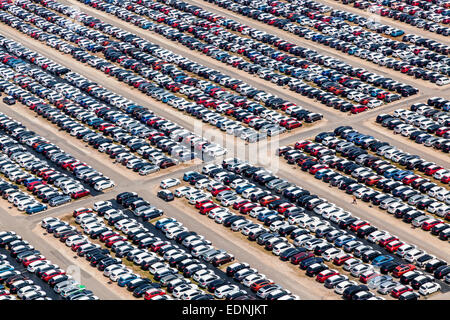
300,148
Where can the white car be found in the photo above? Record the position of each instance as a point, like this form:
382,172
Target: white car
202,273
179,290
169,183
341,286
280,247
99,204
331,253
222,291
103,185
249,280
180,192
429,288
357,270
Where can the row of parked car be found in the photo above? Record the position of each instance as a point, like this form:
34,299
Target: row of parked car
243,275
326,79
22,165
313,202
353,40
402,193
187,87
383,155
267,210
272,64
98,257
31,276
166,82
422,124
82,110
132,126
140,246
428,15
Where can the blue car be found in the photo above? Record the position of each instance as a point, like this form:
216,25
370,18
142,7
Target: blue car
340,242
30,180
263,216
187,176
380,260
241,189
352,136
35,208
397,33
6,268
390,173
160,223
361,139
123,281
400,175
319,175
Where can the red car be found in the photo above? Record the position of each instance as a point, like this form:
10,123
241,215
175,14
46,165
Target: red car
393,246
216,191
316,150
50,274
399,290
301,144
79,211
200,203
287,105
109,242
293,124
339,260
386,241
428,225
255,286
299,257
372,180
104,126
284,206
208,207
268,199
358,224
47,174
317,167
66,164
366,276
245,209
409,179
107,235
75,164
158,245
358,109
80,194
33,184
324,275
153,293
432,170
75,246
41,173
441,131
402,269
26,261
239,204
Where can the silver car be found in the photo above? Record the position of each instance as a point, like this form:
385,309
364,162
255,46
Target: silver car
387,286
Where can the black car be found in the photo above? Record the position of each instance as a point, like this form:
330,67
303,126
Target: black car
166,195
352,290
